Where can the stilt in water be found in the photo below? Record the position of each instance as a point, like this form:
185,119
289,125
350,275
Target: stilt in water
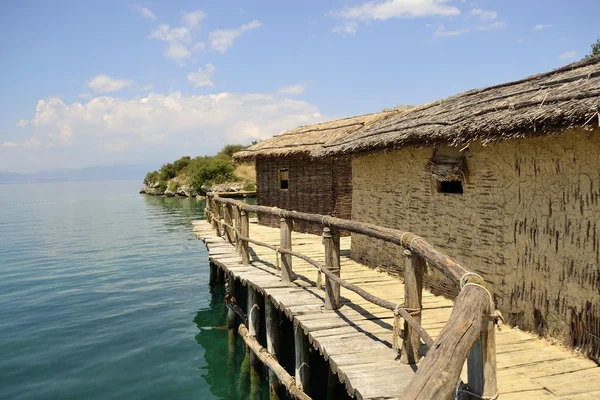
231,361
213,276
272,319
302,355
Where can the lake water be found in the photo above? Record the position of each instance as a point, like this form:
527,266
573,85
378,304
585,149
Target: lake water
104,295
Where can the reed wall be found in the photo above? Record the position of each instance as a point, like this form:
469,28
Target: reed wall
320,186
528,221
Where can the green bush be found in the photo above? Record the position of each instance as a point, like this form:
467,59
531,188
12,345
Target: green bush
173,186
208,170
249,186
162,186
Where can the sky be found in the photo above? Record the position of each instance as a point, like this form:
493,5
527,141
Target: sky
89,83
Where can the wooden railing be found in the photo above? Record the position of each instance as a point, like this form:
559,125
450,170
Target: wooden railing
468,335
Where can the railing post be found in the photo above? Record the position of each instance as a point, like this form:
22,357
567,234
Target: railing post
227,213
217,216
286,243
413,295
208,210
238,225
481,363
332,263
245,230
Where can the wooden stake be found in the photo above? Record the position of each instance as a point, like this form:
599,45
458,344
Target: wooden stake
237,218
413,295
286,243
246,233
212,280
301,348
332,263
272,327
231,315
481,363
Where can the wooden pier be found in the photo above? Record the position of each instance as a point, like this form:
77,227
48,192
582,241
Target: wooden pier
360,339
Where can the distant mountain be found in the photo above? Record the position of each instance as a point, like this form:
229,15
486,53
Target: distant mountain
104,173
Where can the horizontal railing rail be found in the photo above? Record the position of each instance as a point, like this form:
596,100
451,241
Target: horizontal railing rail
468,335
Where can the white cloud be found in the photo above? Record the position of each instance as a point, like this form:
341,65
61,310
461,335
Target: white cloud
202,77
540,27
492,27
22,123
104,84
180,45
292,90
223,117
382,10
347,28
567,55
442,31
144,12
33,142
222,39
192,19
484,15
145,87
8,144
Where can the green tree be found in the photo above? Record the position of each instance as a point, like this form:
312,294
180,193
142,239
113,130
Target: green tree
232,148
151,178
167,171
595,50
180,164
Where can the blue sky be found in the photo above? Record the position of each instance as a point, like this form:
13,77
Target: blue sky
97,83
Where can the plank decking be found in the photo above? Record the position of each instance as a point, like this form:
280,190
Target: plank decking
356,339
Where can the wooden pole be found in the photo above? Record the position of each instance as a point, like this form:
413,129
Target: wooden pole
451,348
481,363
231,315
208,210
272,320
217,216
238,224
332,263
253,318
301,349
286,243
231,360
213,275
245,232
285,378
413,295
227,215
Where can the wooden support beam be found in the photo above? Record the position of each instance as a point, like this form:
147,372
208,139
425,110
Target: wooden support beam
227,216
332,262
237,219
413,302
439,372
286,243
231,315
245,232
272,320
301,350
481,363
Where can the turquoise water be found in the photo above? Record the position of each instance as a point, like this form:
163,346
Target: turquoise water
104,295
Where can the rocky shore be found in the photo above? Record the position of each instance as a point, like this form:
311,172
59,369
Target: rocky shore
187,191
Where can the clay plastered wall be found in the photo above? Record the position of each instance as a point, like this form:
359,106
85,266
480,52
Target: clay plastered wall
528,221
315,185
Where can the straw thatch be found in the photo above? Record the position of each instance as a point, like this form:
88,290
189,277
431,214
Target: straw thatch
305,140
541,104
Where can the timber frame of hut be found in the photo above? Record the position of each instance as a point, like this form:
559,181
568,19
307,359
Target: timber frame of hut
288,178
505,179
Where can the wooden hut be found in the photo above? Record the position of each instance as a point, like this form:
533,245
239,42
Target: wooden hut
505,179
287,176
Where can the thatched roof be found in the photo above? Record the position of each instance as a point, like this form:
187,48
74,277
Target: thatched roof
547,103
305,140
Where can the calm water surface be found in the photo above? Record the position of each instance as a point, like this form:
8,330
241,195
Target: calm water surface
104,295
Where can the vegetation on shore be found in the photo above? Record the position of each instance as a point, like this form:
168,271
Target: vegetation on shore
193,174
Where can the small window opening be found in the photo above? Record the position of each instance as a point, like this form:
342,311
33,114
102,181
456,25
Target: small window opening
454,187
283,178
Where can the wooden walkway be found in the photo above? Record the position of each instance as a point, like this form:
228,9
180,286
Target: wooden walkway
356,338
